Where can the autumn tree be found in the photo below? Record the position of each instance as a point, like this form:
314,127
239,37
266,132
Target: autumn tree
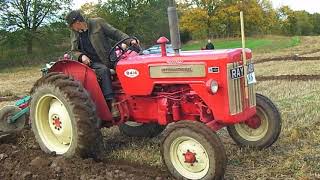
288,20
194,20
221,18
27,16
227,20
270,21
199,15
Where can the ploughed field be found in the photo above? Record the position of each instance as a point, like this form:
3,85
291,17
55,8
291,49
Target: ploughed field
293,85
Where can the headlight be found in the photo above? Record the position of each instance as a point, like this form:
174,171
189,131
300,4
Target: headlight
212,86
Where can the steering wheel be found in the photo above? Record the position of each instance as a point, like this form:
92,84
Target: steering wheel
114,56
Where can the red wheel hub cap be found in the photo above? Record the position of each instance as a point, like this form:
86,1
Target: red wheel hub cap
190,157
254,122
57,123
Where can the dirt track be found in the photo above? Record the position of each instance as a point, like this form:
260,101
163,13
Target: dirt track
289,77
22,158
287,58
310,55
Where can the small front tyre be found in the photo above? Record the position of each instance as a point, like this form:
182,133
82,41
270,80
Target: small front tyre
191,150
260,131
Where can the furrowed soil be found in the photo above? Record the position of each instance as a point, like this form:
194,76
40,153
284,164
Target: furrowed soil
293,85
22,158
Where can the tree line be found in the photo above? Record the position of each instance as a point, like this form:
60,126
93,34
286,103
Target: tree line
220,18
30,23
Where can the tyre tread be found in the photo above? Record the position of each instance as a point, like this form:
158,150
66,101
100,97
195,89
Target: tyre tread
89,139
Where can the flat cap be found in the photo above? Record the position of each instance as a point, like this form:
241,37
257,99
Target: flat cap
73,16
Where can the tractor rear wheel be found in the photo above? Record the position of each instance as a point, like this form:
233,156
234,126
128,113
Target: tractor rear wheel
260,131
134,129
63,117
191,150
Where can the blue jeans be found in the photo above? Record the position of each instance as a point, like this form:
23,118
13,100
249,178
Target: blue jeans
103,72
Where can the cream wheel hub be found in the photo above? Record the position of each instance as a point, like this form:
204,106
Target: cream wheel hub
53,124
59,121
189,157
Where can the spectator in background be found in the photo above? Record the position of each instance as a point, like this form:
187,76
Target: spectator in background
209,45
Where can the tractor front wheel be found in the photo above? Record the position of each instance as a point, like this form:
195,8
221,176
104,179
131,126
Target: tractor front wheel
134,129
191,150
63,117
260,131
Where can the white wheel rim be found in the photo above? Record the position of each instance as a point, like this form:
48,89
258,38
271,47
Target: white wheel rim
251,134
53,123
133,124
178,150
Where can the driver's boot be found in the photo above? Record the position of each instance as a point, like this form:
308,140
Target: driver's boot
113,108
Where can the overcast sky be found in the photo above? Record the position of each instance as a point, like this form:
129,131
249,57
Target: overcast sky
311,6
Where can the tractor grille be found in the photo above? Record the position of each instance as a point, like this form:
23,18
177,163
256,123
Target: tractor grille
237,94
234,91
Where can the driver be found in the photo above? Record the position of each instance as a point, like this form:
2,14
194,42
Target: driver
91,42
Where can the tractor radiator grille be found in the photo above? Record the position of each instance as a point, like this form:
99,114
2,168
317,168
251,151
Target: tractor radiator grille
252,95
237,94
234,91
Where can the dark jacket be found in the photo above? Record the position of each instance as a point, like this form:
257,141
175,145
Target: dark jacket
209,46
101,35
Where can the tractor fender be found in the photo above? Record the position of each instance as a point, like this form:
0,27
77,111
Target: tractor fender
87,77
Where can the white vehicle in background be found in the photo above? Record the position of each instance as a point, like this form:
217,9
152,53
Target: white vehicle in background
157,50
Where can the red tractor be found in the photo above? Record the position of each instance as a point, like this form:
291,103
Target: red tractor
186,96
191,95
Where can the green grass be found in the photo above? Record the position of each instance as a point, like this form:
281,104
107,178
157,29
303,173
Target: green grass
265,44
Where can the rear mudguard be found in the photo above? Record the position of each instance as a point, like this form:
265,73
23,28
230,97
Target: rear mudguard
88,79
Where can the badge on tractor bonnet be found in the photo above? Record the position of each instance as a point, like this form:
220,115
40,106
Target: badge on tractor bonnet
131,73
213,70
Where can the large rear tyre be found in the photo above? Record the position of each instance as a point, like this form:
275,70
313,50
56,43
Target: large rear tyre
63,117
260,131
133,129
191,150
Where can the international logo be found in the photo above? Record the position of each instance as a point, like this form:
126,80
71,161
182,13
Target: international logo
176,70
